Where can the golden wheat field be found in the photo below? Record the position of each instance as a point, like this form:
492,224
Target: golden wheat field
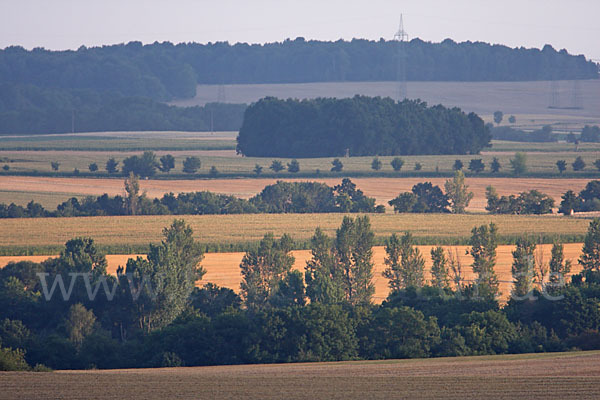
545,376
225,229
223,268
22,189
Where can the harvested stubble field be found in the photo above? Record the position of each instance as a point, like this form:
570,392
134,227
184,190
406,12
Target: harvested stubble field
548,376
52,191
223,268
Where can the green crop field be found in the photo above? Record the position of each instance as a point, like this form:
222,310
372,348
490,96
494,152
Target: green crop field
120,235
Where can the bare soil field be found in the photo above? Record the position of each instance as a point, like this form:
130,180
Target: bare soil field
529,101
548,376
382,189
223,268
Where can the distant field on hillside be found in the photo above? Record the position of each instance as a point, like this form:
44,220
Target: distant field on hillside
528,101
126,234
546,375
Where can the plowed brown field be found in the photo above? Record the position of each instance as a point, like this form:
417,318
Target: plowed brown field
543,376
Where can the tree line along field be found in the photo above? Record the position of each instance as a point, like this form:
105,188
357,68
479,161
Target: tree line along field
228,164
223,269
545,375
51,191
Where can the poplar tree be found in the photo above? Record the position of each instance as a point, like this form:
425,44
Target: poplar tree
523,266
483,244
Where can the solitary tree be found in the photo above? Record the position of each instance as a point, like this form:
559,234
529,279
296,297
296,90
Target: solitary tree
597,164
439,269
495,165
191,165
264,268
483,244
498,115
93,167
590,257
418,166
55,165
561,165
213,172
397,163
578,164
167,163
476,165
144,165
132,188
523,266
6,167
376,164
458,193
519,163
405,265
512,119
277,166
111,166
258,169
337,165
458,165
293,166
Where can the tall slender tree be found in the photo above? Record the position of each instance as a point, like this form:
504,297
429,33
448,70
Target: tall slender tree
523,266
405,264
559,267
458,193
264,268
483,244
439,269
590,257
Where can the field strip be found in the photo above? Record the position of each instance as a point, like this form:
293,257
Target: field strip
382,189
119,232
546,376
223,268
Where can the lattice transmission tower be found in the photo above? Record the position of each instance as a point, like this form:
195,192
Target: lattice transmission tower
401,37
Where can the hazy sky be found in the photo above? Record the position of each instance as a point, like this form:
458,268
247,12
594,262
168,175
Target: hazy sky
64,24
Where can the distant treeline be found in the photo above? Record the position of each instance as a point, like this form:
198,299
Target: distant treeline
361,126
164,71
282,197
29,109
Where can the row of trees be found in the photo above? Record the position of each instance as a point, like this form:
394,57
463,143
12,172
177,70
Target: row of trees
163,71
34,110
578,165
358,126
151,314
281,197
587,200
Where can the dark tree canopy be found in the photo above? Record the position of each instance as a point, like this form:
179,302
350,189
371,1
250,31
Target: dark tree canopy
361,126
164,71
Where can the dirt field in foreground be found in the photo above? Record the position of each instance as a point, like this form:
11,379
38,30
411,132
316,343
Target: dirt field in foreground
548,376
223,268
383,189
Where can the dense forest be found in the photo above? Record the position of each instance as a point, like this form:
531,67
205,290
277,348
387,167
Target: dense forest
164,71
151,314
360,126
32,110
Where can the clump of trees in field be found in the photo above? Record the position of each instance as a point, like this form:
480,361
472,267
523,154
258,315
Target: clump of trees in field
587,200
360,126
153,314
531,202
